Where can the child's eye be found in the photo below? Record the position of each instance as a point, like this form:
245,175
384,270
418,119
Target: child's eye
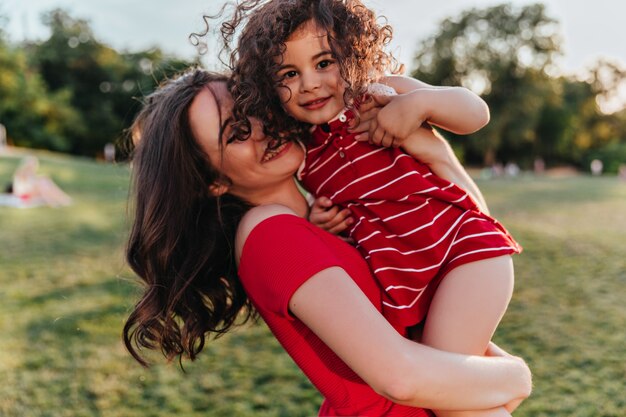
325,63
290,74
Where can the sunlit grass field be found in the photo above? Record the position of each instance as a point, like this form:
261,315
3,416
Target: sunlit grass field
65,292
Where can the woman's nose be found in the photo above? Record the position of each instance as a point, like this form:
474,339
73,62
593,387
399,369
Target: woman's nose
256,130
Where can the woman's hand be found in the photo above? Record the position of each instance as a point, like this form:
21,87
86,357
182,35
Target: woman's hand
494,350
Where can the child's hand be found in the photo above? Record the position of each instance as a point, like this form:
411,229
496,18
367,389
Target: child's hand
368,122
388,120
368,110
399,117
328,217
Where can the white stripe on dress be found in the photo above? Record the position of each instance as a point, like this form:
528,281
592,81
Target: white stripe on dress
379,172
346,165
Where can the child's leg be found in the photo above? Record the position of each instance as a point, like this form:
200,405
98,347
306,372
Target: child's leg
466,310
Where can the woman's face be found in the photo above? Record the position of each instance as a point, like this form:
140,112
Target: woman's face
252,168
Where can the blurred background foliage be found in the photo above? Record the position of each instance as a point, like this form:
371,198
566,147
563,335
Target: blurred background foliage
510,57
72,93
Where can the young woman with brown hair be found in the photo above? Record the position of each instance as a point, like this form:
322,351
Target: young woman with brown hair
219,235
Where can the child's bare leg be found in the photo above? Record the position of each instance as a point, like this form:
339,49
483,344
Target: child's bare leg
465,312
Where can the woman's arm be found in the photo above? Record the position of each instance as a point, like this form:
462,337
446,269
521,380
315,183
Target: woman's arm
405,372
430,148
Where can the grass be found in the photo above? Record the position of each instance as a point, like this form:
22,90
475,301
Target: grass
65,292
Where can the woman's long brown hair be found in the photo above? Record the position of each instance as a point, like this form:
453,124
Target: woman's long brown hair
182,237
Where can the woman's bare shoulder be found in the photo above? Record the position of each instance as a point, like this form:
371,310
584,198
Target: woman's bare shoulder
255,216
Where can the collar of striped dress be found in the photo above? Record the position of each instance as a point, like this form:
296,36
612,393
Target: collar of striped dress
338,126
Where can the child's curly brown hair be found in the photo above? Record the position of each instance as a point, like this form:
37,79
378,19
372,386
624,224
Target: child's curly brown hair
356,38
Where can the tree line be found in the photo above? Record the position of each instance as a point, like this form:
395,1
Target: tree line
71,93
74,94
510,56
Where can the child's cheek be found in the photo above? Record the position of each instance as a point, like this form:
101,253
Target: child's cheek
341,85
284,94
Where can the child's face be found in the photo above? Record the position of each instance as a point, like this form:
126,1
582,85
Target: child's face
311,88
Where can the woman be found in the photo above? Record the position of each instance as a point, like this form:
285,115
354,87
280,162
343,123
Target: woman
214,217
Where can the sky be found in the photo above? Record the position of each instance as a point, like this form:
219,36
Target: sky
590,29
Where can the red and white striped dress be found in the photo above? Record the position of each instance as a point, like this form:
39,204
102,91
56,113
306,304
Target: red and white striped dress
411,226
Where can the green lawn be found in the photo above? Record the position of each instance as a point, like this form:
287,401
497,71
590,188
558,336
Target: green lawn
65,292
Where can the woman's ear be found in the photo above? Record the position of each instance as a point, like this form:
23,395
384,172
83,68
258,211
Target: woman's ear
218,188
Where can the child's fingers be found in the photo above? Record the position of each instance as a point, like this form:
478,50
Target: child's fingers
362,137
321,214
365,120
369,113
322,203
388,140
363,126
367,105
338,218
333,220
380,137
326,217
382,99
342,225
376,135
397,142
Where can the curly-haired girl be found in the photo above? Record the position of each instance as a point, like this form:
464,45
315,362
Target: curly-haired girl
312,66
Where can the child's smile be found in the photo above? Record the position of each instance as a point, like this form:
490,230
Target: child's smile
311,88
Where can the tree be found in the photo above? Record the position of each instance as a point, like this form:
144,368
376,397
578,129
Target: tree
33,116
101,83
505,54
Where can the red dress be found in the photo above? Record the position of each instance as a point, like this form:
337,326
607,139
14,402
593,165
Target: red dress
280,254
411,226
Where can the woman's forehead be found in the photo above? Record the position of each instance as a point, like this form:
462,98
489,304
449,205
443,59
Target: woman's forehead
208,111
221,95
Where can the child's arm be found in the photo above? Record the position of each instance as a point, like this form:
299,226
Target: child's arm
455,109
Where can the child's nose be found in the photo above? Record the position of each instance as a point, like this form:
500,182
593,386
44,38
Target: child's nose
310,81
